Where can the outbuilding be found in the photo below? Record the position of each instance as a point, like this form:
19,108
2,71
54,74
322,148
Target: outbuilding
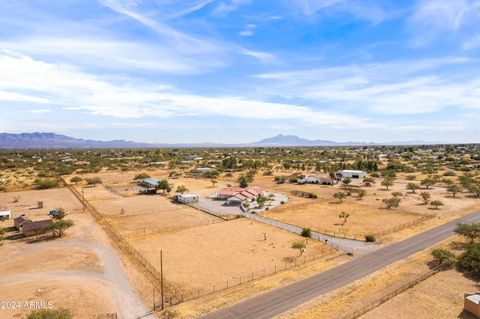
149,182
19,221
471,304
187,198
5,215
36,227
346,173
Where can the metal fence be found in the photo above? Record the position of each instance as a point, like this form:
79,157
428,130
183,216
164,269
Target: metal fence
173,295
151,231
404,226
248,277
389,295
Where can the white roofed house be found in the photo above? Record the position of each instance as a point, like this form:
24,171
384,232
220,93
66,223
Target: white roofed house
186,198
314,179
347,173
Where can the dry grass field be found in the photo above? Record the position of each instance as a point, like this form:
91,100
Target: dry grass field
26,202
440,296
367,215
201,257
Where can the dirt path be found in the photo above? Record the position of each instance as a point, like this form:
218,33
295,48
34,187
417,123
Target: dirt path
126,299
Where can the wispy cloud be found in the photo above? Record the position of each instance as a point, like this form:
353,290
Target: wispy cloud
401,87
76,90
444,18
248,31
359,9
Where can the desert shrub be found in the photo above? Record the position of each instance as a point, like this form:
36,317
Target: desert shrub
141,176
443,257
370,238
46,183
306,232
50,314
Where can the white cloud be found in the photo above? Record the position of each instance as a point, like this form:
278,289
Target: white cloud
183,42
433,19
248,30
402,87
75,90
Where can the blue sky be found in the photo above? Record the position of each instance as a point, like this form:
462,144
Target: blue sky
238,70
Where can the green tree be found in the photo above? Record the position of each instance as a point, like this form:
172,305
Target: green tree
50,314
60,226
344,216
388,181
425,197
164,185
306,232
412,187
469,231
474,188
46,183
368,181
346,182
470,259
397,194
427,182
182,189
300,245
141,176
361,193
340,196
436,203
443,257
93,181
454,189
392,202
243,181
76,180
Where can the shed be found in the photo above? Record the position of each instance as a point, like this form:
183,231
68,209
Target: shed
149,182
19,221
36,227
187,198
472,303
5,215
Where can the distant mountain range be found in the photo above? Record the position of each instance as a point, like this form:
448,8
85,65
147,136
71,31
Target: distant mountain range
53,140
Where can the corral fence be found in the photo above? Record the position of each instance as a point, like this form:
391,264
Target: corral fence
126,247
249,277
344,233
146,232
173,295
404,226
389,295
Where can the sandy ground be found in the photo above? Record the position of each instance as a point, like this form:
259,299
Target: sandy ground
25,202
201,257
81,271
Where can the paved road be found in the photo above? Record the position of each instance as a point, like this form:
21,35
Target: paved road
277,301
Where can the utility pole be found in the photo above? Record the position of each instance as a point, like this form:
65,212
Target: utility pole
161,276
153,292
